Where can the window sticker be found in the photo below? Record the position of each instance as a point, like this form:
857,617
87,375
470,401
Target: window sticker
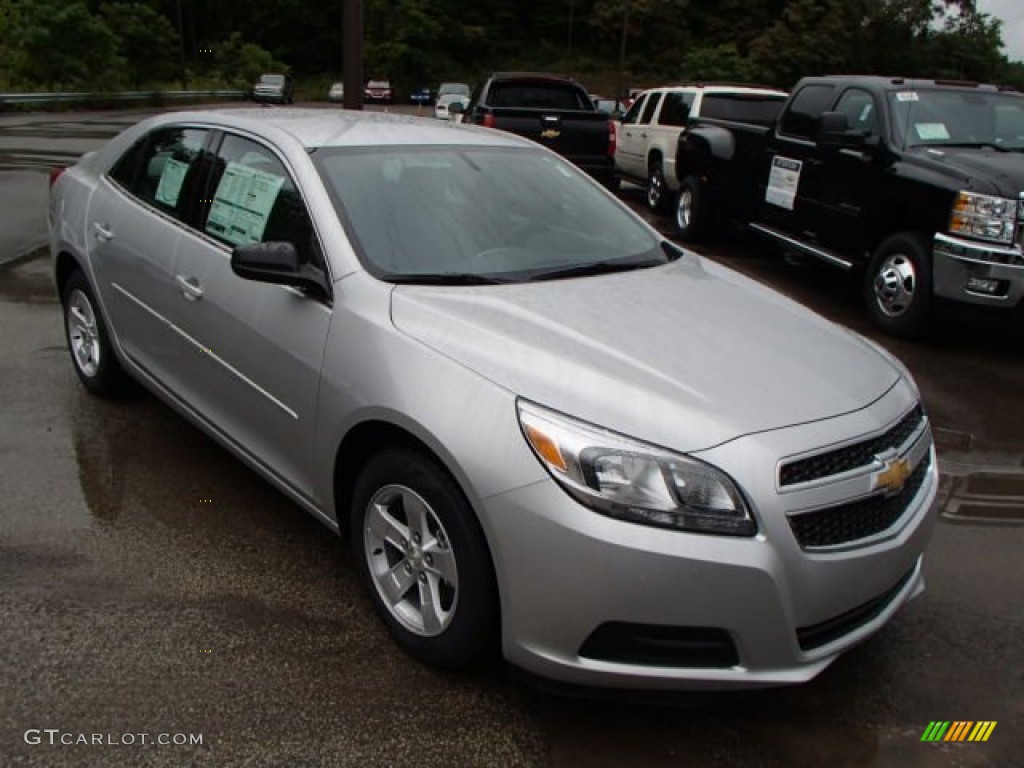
865,113
931,131
171,177
783,182
242,204
907,96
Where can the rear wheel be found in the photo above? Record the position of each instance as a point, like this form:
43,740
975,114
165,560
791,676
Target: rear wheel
658,193
88,340
898,285
691,220
424,558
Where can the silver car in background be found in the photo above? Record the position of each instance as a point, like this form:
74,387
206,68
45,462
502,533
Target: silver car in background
545,428
448,94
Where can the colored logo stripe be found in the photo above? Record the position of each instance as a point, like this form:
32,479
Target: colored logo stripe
958,730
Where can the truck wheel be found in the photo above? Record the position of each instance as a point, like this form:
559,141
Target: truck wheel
898,285
691,219
420,550
658,193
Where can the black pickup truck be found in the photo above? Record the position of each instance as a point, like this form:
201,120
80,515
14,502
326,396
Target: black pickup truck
553,110
921,181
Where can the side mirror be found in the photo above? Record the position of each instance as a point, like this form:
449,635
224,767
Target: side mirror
834,132
277,262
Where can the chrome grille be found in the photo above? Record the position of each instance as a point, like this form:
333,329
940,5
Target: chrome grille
859,519
850,457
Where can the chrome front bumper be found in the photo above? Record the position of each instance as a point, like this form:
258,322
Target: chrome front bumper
962,267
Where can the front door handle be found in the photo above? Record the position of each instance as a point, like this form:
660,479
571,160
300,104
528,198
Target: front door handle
190,287
102,231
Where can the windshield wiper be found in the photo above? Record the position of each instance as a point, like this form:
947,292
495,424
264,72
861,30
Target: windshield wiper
444,278
594,268
973,144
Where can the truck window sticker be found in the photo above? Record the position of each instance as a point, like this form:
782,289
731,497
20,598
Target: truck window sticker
907,96
931,131
242,204
783,182
171,178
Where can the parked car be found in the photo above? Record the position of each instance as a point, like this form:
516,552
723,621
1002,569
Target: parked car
421,96
274,87
554,110
649,132
337,92
451,344
918,181
378,91
442,108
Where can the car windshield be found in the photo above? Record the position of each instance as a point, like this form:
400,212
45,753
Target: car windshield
453,215
936,118
272,79
453,89
378,84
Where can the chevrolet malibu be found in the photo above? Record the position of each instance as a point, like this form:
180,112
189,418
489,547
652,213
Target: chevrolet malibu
545,429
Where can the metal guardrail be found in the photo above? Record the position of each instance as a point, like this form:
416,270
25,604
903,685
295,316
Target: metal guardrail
122,96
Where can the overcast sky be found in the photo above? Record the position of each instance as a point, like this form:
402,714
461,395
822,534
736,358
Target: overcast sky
1012,14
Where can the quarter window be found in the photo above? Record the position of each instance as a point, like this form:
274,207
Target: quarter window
252,199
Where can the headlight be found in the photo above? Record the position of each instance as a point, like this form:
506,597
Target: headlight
625,478
984,217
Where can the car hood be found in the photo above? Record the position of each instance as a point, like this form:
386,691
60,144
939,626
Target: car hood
689,355
985,170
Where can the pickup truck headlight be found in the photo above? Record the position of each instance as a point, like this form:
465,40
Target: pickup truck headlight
984,217
627,479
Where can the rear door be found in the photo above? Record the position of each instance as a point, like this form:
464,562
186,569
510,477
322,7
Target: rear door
135,222
254,350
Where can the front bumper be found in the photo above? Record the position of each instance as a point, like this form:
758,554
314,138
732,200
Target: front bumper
568,574
977,273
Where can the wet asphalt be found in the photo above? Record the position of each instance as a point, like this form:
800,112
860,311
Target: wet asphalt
151,584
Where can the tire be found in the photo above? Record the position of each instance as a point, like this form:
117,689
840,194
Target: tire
88,340
691,219
898,285
424,559
658,196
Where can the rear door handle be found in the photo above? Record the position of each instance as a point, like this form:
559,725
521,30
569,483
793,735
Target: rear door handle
102,231
190,287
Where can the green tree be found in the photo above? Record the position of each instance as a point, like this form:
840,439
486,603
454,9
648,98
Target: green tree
723,62
147,42
61,43
240,62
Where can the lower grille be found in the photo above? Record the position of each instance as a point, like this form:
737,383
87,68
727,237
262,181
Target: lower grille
858,519
657,645
832,629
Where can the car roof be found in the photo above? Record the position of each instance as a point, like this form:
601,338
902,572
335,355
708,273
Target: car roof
313,128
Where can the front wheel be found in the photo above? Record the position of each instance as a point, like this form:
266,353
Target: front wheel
691,220
898,285
88,340
424,558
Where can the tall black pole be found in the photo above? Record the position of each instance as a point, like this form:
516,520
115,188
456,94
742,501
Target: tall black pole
181,36
352,53
569,44
622,53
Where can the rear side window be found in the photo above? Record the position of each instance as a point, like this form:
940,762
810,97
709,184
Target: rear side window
756,109
676,109
801,120
537,95
253,199
652,104
167,170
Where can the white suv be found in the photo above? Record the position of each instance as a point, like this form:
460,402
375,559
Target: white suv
646,139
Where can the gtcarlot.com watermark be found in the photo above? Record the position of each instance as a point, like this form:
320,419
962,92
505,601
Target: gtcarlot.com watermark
55,737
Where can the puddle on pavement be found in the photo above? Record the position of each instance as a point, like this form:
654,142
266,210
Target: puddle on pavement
27,280
981,484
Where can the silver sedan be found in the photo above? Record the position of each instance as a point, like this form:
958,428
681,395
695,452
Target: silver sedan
545,429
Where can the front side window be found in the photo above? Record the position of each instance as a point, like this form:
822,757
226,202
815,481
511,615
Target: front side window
252,199
632,117
166,170
448,214
860,111
804,114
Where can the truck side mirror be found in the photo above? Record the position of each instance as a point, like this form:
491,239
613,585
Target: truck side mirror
834,132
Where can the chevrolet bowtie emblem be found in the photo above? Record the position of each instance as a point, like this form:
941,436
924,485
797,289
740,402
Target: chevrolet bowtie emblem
893,476
551,133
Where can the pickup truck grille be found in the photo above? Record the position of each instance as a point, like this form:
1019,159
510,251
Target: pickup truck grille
859,519
851,457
